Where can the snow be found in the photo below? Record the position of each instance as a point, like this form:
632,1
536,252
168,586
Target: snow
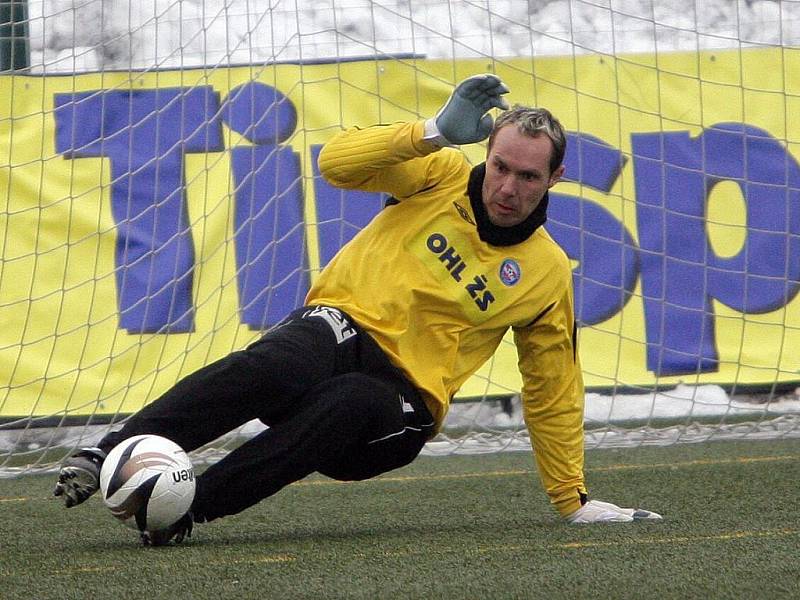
80,35
684,414
683,403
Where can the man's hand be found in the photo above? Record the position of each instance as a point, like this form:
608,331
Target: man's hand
463,119
596,511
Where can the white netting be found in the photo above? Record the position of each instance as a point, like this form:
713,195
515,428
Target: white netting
73,35
691,63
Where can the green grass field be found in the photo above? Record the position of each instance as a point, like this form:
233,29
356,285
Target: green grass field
458,527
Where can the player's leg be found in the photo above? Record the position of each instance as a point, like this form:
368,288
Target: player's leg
265,380
352,427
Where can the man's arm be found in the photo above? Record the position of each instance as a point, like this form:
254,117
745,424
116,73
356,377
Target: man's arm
552,402
552,397
397,158
384,158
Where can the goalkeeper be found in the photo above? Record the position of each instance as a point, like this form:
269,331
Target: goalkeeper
354,383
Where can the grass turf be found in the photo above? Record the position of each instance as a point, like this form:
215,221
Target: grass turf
456,527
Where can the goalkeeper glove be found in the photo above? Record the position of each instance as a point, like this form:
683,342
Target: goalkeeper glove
596,511
463,119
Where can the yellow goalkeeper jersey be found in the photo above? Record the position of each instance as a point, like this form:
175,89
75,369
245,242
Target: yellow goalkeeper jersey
431,284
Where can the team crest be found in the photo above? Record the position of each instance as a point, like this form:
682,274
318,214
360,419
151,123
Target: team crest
510,272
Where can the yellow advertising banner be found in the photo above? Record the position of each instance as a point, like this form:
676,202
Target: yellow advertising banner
155,221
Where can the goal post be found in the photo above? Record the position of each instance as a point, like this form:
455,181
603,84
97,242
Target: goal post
161,206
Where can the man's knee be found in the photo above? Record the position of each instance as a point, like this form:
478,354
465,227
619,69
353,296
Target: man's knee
372,410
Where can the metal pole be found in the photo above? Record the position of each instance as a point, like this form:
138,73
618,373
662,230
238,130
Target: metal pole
14,55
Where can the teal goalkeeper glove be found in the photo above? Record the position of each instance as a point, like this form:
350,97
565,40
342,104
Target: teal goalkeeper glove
596,511
463,119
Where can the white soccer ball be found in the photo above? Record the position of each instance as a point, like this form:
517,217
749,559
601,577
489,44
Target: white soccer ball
148,482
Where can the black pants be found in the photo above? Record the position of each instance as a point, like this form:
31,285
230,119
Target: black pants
333,402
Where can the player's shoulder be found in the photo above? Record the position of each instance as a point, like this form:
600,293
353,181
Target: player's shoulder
443,173
451,163
543,237
546,248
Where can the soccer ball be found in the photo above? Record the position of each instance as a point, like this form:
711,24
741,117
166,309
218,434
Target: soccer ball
148,482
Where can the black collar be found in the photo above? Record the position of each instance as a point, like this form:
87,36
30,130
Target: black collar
494,234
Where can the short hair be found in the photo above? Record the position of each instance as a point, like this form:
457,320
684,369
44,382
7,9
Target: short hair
533,122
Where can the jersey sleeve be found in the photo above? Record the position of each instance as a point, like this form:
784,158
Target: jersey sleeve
388,158
552,400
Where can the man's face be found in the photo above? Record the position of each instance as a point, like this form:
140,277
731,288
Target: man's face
517,175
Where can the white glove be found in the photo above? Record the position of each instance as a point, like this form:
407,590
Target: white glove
596,511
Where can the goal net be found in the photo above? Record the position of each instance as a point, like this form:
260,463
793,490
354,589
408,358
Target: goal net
160,203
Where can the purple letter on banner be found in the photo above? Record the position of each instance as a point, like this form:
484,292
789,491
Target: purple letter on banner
606,276
680,271
271,264
145,134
